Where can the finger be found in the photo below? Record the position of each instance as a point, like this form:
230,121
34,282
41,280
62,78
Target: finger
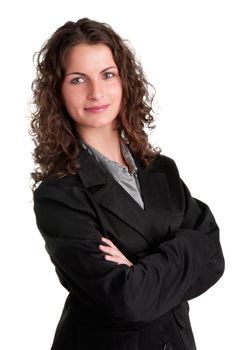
115,259
106,249
118,260
110,245
108,241
110,250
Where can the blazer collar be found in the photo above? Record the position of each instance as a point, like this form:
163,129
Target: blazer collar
90,172
112,196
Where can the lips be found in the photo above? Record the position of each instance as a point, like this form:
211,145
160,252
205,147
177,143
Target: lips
97,108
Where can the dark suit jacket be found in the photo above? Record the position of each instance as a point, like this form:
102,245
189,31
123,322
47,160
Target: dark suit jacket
173,244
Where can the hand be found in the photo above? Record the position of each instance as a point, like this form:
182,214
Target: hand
113,253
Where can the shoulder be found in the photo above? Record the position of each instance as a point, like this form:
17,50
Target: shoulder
163,163
166,166
60,189
59,202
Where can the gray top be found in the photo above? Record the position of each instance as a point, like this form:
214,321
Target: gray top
125,176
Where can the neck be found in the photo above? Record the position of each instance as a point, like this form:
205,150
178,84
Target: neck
106,142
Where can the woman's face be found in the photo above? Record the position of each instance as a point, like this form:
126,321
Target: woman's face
92,88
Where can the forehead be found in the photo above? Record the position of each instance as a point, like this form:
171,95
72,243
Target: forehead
88,57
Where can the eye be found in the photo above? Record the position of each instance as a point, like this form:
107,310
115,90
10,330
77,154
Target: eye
77,80
109,75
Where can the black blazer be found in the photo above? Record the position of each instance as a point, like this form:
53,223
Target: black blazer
173,244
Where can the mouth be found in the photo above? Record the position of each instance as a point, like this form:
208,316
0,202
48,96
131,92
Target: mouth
97,109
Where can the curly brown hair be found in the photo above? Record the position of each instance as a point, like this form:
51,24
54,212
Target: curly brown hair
53,130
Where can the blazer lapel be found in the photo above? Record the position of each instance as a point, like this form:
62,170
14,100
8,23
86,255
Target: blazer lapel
150,223
108,193
157,203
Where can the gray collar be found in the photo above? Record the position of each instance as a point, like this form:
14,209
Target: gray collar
110,164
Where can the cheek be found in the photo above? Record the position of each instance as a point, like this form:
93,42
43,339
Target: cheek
117,92
71,99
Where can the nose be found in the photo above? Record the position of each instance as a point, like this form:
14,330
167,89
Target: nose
95,90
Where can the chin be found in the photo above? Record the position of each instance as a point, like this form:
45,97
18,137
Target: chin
103,123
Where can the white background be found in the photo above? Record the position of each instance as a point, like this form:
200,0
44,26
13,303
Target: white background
185,49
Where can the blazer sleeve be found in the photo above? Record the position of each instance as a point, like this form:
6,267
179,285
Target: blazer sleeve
198,216
140,293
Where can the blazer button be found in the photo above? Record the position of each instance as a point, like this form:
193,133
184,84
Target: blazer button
168,346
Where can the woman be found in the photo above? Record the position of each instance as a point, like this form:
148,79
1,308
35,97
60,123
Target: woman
129,242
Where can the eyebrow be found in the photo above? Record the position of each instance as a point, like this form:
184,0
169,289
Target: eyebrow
87,75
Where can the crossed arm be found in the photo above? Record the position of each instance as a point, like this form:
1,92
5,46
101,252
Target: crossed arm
181,268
